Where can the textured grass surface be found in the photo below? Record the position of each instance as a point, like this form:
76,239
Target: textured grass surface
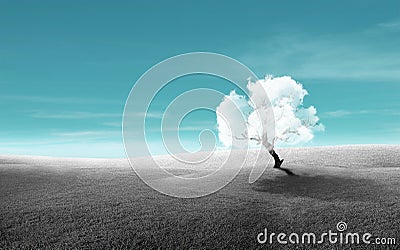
79,203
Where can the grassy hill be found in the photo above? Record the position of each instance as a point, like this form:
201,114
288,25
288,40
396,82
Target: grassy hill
53,203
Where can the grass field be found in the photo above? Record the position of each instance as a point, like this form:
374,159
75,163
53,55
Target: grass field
52,203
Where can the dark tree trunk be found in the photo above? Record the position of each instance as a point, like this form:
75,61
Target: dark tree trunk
278,161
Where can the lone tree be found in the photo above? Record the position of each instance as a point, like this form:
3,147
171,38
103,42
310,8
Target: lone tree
264,141
294,124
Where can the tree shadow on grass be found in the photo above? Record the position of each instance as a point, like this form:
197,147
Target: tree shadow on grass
287,171
323,187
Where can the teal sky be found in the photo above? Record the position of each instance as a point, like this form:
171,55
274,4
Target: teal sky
66,67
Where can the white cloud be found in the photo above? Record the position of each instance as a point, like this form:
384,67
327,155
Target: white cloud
231,119
155,115
294,124
58,100
93,134
327,57
113,124
342,113
78,143
66,149
73,115
393,25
